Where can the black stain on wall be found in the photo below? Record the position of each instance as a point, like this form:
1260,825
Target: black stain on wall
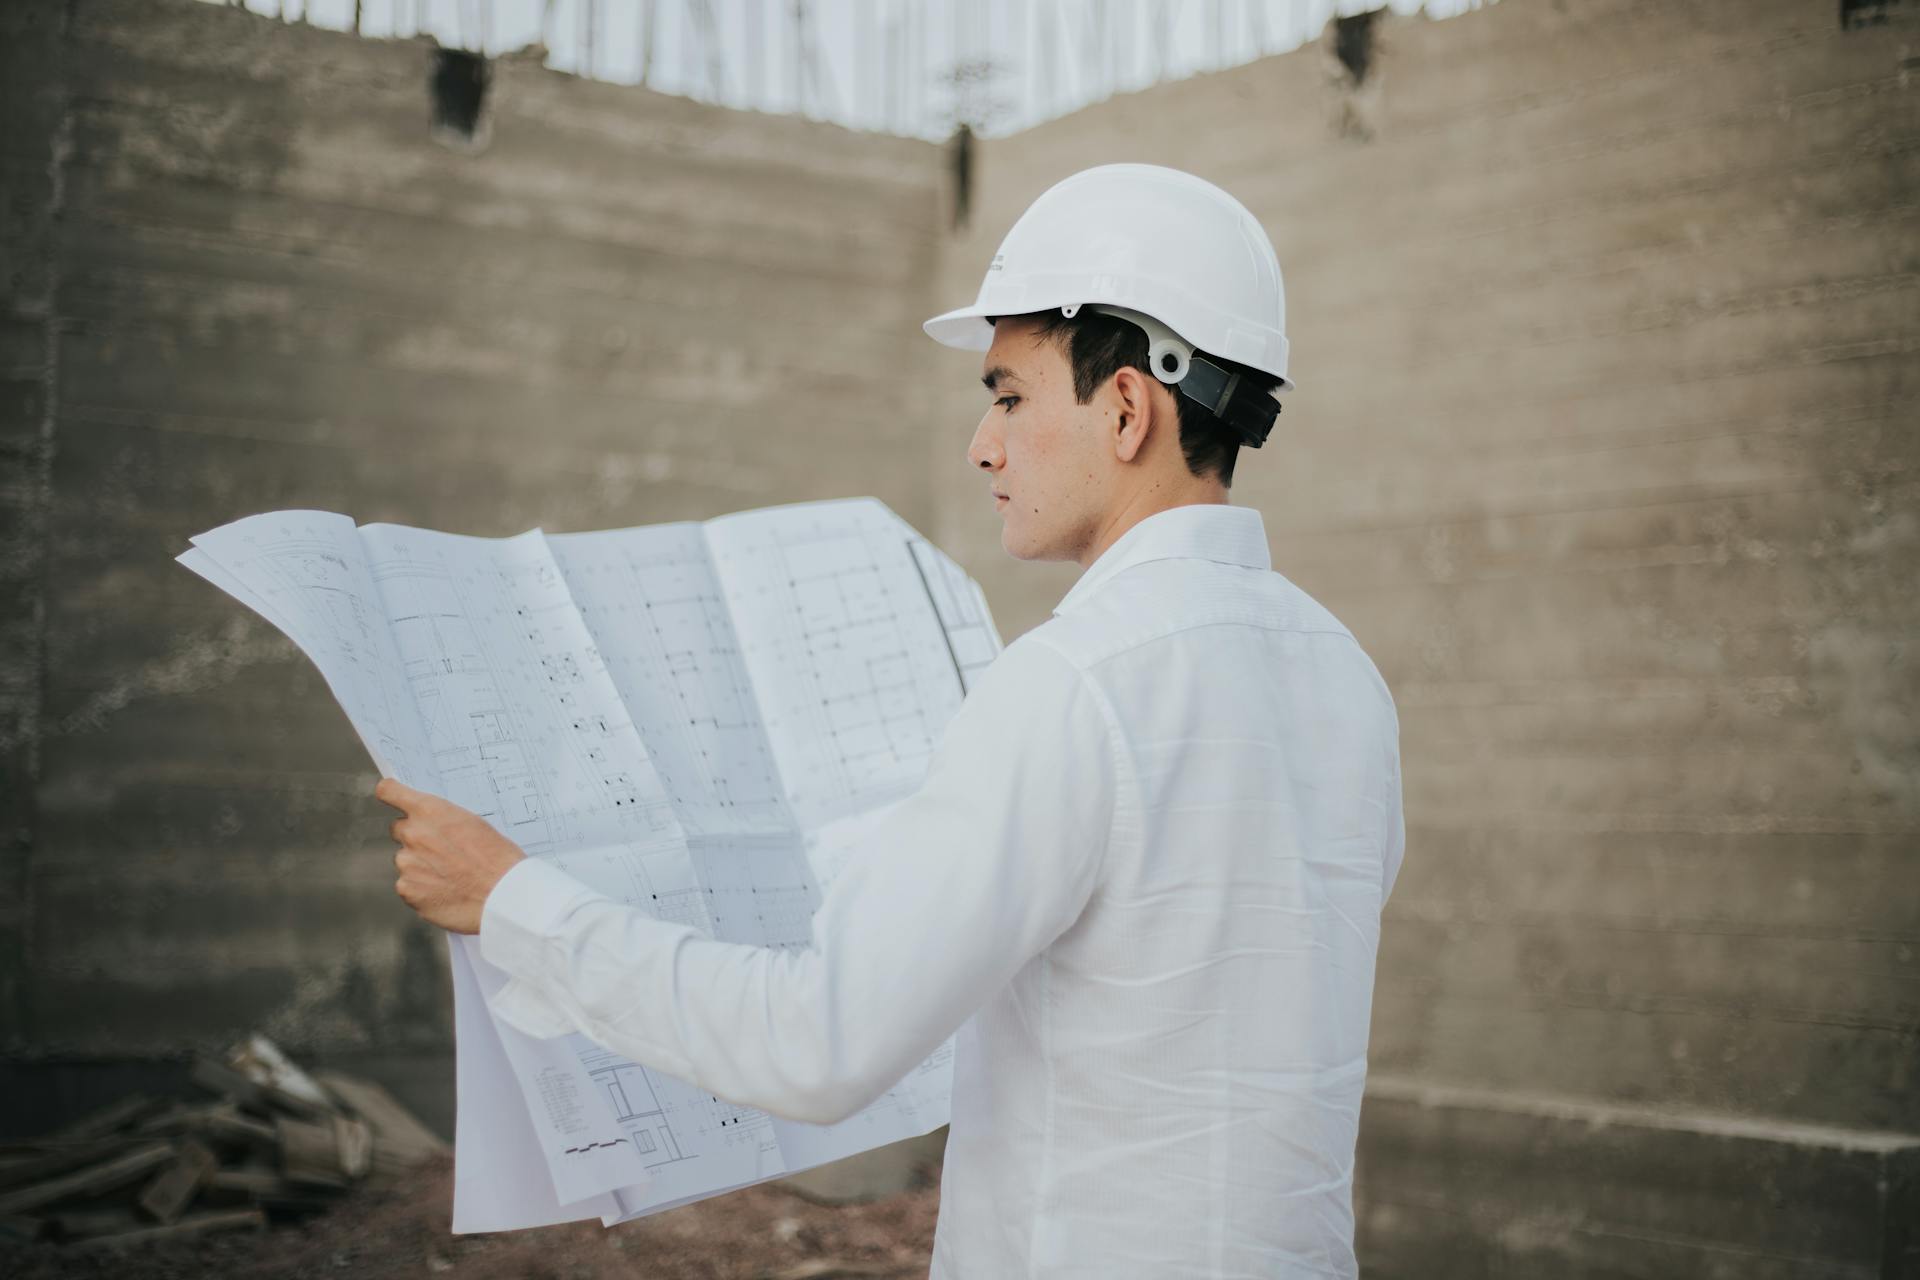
1353,44
459,84
1855,14
961,159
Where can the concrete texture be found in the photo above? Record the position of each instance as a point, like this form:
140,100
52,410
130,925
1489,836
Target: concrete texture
1604,322
1480,1183
1604,319
275,289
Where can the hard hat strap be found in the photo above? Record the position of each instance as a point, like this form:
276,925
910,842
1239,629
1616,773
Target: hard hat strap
1174,361
1249,412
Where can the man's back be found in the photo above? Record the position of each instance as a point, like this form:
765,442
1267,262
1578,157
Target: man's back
1143,876
1172,1088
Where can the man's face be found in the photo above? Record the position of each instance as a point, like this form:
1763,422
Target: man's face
1047,458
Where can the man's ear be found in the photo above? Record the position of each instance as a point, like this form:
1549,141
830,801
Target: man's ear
1133,394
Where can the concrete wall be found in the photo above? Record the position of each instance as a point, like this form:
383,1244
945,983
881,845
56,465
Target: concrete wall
1605,318
247,278
32,107
1604,325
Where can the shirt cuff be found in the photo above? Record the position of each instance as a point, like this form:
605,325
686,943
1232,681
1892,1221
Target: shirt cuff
521,919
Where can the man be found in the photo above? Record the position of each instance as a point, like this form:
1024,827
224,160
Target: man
1143,877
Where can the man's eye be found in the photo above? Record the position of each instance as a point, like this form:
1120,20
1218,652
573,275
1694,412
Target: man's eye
1007,402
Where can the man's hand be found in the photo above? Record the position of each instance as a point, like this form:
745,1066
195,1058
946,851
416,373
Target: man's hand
449,858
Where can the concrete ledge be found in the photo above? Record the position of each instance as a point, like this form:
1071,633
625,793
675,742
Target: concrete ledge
1461,1183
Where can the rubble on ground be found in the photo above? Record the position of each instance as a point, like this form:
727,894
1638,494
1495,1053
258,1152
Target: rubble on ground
355,1188
267,1142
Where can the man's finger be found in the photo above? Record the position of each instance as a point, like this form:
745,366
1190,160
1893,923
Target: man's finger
398,829
401,796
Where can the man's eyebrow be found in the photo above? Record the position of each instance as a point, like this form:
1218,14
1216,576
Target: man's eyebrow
998,374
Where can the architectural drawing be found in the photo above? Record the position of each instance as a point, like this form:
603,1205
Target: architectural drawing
697,720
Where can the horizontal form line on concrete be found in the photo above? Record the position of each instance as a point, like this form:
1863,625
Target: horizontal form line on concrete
1602,1114
1514,914
1421,449
1656,823
1442,996
1631,500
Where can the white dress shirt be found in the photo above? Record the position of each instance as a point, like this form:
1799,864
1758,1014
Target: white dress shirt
1145,871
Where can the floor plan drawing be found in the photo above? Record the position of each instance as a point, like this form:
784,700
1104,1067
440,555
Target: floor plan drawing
849,648
698,721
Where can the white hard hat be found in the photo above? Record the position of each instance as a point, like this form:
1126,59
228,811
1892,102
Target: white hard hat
1146,243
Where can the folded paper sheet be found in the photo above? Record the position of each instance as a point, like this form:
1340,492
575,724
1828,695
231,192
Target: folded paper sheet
695,719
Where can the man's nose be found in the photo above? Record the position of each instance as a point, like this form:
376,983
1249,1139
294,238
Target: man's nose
985,451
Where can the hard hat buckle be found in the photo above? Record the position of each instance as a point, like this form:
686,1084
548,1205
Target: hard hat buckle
1174,361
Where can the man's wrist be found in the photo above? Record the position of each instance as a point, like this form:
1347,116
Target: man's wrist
524,913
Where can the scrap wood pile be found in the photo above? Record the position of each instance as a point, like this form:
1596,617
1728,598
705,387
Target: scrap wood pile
269,1141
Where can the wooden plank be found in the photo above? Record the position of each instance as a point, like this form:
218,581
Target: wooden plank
353,1145
310,1152
84,1224
224,1126
90,1181
218,1077
191,1225
218,1122
46,1160
261,1060
252,1180
174,1187
108,1119
399,1139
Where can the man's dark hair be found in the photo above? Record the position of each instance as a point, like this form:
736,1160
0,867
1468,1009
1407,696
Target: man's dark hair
1098,345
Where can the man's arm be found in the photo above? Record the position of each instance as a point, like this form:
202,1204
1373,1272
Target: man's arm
955,890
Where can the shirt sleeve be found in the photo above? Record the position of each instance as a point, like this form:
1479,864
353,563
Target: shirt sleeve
1396,842
952,892
1396,851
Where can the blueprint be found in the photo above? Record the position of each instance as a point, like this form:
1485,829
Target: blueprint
697,720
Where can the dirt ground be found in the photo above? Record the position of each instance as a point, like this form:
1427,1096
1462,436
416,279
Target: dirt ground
760,1233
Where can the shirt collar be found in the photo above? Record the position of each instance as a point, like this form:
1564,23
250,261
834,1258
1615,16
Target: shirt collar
1202,531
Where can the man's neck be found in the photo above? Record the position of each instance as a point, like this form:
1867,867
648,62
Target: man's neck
1151,501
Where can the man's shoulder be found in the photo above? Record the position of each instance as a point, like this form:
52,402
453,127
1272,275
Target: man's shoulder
1158,599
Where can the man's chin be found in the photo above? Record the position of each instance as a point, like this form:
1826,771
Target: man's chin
1021,549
